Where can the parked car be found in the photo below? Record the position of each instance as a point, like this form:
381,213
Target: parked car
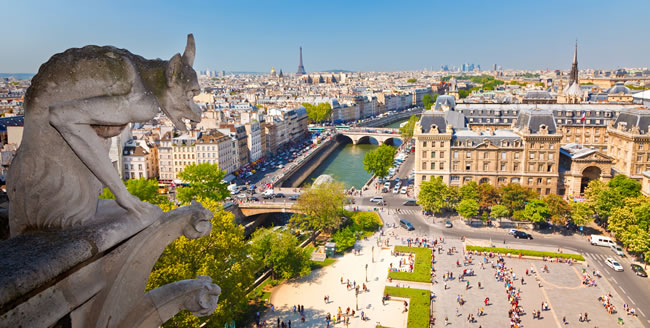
522,235
638,270
396,190
254,199
512,231
448,224
403,190
617,250
404,223
410,202
279,195
293,197
601,241
613,264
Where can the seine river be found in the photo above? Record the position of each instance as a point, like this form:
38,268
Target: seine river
346,163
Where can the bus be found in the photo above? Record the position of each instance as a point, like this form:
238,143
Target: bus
342,127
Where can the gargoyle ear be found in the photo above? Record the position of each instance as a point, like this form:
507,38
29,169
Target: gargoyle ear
190,51
174,67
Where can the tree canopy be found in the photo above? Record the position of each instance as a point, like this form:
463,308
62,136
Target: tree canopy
499,211
412,80
515,196
379,160
318,113
319,207
488,195
429,100
559,209
536,211
468,208
280,251
145,189
222,255
469,190
406,131
205,181
432,195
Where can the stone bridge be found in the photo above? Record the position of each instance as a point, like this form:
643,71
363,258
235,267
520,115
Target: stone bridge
250,209
364,135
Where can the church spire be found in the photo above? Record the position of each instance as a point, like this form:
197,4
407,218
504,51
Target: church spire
573,76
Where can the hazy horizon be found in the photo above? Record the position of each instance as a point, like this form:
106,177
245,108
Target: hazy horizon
365,36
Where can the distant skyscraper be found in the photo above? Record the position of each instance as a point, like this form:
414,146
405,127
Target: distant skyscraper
494,68
573,76
301,68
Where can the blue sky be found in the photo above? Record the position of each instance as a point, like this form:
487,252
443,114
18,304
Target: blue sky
378,35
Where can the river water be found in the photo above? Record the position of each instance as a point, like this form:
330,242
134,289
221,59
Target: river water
346,163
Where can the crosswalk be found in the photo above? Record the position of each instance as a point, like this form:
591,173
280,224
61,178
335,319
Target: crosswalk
600,258
402,211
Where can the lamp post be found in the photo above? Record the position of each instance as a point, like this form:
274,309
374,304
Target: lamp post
366,272
356,293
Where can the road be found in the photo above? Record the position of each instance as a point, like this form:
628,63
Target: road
633,289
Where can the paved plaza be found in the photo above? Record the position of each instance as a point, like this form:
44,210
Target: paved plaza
561,288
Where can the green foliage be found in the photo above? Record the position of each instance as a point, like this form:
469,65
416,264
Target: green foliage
635,87
631,225
463,93
536,211
145,190
205,182
280,251
581,213
523,84
432,195
319,207
345,238
222,255
524,252
363,223
411,80
428,100
469,190
452,197
530,75
367,221
421,268
604,199
500,211
379,160
514,196
468,208
420,303
406,131
627,187
318,113
559,208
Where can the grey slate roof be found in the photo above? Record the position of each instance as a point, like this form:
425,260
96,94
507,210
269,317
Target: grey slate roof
639,117
534,119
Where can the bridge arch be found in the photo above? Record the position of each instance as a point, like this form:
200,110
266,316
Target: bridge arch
393,141
342,138
368,140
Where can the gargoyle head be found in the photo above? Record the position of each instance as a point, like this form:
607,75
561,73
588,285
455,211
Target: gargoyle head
177,101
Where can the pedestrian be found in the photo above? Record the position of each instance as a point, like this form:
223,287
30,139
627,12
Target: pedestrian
278,322
289,324
564,320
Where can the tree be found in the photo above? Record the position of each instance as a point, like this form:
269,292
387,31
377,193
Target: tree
468,208
559,208
379,160
488,195
146,190
463,93
280,251
627,187
345,238
581,213
406,131
500,211
205,181
469,190
452,196
412,80
318,113
432,195
428,101
604,199
631,225
536,211
319,207
515,196
222,255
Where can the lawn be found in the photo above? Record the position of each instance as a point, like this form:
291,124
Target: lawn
422,268
419,304
525,252
317,265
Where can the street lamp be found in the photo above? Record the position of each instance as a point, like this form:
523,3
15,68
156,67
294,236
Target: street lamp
356,293
366,272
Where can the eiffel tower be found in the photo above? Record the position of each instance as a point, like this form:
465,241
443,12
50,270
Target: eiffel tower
301,69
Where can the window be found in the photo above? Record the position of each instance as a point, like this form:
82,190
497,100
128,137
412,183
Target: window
503,155
442,143
139,166
539,180
550,156
424,154
502,180
516,155
515,180
548,180
485,166
541,156
503,166
454,179
433,154
550,146
467,179
515,167
540,167
442,154
485,155
530,181
548,191
441,166
455,155
531,155
468,154
424,143
433,165
424,165
468,166
455,166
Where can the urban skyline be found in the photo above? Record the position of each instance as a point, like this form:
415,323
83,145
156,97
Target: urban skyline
241,37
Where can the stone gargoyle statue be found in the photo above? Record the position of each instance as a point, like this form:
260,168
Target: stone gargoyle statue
77,101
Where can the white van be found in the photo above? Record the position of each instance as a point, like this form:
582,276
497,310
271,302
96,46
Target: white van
601,241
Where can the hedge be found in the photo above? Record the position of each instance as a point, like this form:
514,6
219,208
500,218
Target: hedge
422,267
419,304
525,252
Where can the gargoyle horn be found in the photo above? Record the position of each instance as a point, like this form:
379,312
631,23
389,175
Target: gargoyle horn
190,50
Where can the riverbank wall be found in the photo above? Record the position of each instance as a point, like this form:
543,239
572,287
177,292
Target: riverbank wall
295,177
383,121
